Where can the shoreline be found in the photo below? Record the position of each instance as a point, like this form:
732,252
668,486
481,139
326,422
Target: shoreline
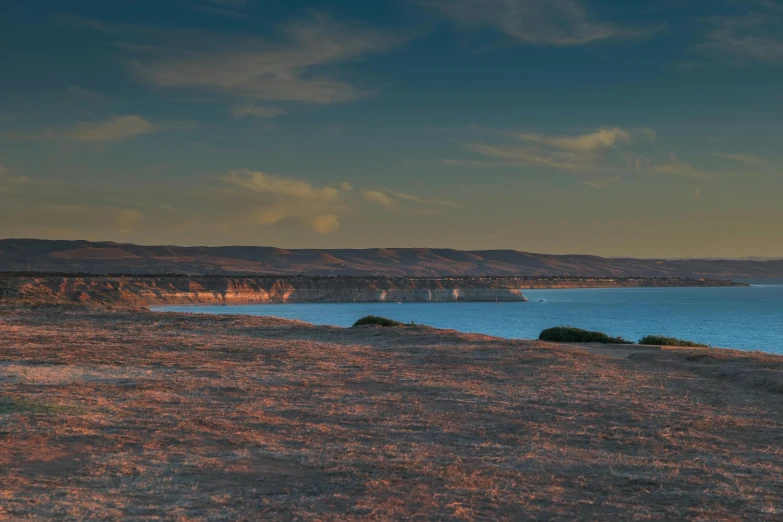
596,347
260,303
162,290
630,313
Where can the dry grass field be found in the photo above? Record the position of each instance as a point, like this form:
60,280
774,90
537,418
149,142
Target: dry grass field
130,414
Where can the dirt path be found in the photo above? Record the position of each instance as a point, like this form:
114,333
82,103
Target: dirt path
146,416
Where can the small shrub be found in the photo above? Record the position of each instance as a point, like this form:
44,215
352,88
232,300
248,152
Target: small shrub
660,340
569,334
375,320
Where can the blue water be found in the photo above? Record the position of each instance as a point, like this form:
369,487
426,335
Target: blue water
747,318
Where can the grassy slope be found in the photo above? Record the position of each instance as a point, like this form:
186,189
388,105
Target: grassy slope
220,418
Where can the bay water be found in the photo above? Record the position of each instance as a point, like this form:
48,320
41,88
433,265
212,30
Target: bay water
744,318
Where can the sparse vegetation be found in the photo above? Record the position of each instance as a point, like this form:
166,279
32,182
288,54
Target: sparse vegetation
185,414
660,340
8,406
374,320
569,334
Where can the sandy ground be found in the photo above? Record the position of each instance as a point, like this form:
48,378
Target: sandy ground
148,416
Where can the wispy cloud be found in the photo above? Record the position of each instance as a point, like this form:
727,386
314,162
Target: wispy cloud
601,139
753,36
261,182
80,93
115,129
118,128
218,11
540,22
79,22
125,220
325,223
532,156
378,198
422,201
747,159
7,179
391,199
240,111
603,183
224,8
577,153
600,158
265,199
672,166
67,217
250,68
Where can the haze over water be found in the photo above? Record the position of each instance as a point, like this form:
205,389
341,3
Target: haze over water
747,318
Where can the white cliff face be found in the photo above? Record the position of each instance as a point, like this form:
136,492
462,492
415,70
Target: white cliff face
51,289
141,291
403,294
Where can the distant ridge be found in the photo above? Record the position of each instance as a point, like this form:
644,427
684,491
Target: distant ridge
109,257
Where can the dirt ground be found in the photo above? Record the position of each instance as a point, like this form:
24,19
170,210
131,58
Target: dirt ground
147,416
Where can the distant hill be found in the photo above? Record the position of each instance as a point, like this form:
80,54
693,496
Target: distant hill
109,257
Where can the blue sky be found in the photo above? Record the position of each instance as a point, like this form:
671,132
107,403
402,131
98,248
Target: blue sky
604,127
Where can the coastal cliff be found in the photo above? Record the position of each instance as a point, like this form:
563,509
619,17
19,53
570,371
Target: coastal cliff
180,289
183,289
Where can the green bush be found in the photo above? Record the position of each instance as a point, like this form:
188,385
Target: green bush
569,334
375,320
660,340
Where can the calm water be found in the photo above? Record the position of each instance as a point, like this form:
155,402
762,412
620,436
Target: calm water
743,318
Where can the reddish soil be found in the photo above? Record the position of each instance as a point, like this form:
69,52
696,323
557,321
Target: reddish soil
145,416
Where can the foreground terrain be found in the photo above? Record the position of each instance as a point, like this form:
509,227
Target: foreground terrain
140,415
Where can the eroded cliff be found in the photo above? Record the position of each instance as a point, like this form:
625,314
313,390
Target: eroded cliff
152,290
177,290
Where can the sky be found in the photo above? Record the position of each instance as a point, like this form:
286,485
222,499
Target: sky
607,127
